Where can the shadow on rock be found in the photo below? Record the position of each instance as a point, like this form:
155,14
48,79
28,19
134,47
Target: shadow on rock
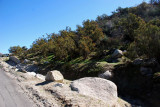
43,83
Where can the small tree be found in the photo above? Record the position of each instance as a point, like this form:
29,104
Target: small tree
64,46
92,30
86,46
18,51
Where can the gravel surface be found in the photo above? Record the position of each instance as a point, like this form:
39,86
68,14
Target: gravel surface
10,93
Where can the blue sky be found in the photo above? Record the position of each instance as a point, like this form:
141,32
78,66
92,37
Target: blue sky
23,21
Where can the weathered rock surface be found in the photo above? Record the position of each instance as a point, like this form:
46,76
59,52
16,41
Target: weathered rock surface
31,73
54,76
98,88
117,54
105,75
40,77
14,59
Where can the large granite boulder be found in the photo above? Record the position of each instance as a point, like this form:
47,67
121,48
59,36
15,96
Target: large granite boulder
117,54
14,59
54,76
98,88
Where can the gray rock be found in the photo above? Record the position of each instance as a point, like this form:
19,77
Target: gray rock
22,70
124,51
146,71
58,85
105,75
31,68
138,61
14,59
117,54
98,88
33,62
54,76
26,61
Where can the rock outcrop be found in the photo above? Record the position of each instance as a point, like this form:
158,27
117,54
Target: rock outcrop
14,59
54,76
39,76
31,73
98,88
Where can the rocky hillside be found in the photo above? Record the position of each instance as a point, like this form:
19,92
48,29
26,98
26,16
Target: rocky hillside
55,91
122,48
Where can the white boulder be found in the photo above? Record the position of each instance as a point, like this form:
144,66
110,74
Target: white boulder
54,76
105,75
98,88
117,54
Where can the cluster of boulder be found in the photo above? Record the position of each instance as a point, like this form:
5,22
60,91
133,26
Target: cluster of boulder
26,67
93,87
